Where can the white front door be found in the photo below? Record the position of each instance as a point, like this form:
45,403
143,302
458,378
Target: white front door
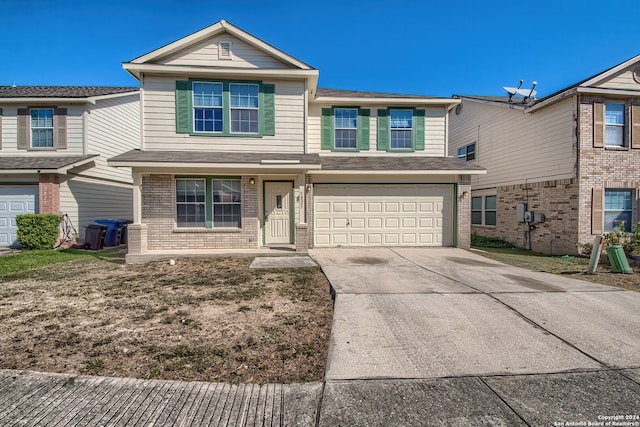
277,212
15,201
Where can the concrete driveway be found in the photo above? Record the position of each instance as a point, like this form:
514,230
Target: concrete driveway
445,336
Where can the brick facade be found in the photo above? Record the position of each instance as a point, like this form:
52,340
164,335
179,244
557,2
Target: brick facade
557,200
603,168
49,193
158,213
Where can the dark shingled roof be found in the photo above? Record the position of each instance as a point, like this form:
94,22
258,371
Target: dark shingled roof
209,157
42,162
413,163
341,93
61,91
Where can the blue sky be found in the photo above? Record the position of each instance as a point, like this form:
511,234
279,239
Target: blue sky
420,47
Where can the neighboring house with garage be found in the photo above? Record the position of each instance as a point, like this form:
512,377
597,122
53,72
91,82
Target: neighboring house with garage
241,149
573,156
54,146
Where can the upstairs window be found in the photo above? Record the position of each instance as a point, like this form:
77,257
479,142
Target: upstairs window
244,107
42,128
614,124
467,153
207,107
346,127
401,129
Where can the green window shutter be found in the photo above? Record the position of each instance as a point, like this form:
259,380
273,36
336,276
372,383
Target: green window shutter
383,130
60,128
183,106
23,129
418,123
269,107
363,128
327,129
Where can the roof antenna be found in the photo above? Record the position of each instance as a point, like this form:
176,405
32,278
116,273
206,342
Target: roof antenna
14,84
525,93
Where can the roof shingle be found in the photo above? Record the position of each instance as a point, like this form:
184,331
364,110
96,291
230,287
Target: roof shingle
62,91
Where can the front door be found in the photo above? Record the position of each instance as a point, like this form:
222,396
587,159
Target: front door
277,212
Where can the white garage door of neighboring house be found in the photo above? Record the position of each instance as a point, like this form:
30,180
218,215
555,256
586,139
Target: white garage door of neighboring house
383,215
14,201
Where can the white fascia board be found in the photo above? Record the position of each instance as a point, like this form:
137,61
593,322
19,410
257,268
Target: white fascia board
212,31
513,106
338,100
257,166
610,72
27,171
93,99
194,71
586,90
397,172
64,169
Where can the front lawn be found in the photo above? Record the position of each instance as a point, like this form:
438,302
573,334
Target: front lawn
574,267
201,319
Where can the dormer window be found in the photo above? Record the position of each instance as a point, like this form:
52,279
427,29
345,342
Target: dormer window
224,50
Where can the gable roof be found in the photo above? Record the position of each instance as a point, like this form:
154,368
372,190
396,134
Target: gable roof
62,91
220,27
585,85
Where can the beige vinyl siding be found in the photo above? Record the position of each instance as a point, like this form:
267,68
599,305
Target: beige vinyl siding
434,123
10,131
623,80
206,54
160,122
113,128
515,146
86,200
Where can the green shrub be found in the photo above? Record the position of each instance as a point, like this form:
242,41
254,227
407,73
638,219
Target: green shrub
489,242
38,231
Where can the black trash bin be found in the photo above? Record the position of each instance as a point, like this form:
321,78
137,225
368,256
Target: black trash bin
94,236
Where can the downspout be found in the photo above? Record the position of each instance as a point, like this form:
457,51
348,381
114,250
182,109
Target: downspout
85,129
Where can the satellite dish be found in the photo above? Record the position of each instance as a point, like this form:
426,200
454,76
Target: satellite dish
525,93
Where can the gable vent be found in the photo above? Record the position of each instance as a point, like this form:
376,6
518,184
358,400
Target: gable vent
224,50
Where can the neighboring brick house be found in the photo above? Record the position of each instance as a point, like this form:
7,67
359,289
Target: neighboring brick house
573,156
240,149
54,146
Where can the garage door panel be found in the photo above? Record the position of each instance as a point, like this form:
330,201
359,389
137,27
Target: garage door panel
14,201
379,214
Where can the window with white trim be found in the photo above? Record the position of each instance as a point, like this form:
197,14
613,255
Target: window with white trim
483,210
244,107
618,208
227,206
346,127
467,153
207,107
41,127
401,129
614,124
190,202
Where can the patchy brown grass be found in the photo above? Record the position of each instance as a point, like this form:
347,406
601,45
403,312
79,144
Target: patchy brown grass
573,267
201,319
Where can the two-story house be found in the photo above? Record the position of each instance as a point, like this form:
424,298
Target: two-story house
54,146
573,156
241,149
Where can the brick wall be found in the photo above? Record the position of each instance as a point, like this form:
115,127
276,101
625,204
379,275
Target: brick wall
49,193
557,200
602,168
158,213
464,211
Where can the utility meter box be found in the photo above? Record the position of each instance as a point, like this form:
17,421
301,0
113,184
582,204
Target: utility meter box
521,208
529,216
538,217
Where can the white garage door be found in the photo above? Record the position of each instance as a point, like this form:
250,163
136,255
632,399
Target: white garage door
14,201
383,215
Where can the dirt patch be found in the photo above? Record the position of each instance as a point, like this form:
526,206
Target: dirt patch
201,319
367,260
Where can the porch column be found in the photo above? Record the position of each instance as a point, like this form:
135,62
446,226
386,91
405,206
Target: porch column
137,232
302,232
303,198
137,197
464,211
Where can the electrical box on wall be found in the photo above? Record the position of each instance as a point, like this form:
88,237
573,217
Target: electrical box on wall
521,208
538,217
528,216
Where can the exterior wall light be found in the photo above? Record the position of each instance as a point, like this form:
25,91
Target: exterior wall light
252,181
